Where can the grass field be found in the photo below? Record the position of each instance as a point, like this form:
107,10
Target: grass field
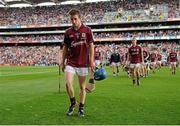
29,95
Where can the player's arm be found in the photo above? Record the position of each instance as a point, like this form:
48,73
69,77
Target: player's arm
92,65
147,56
177,59
91,50
101,57
128,58
65,50
142,57
64,56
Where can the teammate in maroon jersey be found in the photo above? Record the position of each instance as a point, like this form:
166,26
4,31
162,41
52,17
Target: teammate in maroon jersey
135,56
78,51
173,60
97,56
153,59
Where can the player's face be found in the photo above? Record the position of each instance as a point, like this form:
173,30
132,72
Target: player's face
76,21
134,42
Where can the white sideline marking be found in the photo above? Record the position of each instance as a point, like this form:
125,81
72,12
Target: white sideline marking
27,73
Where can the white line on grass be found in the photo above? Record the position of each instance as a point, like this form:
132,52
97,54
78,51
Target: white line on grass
29,73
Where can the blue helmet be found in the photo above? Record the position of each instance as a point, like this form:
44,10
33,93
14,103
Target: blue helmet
100,74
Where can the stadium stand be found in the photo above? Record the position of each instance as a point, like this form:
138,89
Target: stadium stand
32,35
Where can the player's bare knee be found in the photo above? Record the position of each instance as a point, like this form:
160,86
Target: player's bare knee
68,85
82,88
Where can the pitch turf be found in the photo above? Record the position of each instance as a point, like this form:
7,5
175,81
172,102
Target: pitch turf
29,95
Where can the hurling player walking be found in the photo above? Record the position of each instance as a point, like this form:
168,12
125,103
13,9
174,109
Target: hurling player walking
173,60
78,51
135,56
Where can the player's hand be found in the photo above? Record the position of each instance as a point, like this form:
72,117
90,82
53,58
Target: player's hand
92,66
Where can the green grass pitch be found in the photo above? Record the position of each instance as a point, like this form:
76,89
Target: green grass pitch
29,95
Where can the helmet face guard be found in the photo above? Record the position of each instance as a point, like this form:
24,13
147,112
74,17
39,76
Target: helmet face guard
100,74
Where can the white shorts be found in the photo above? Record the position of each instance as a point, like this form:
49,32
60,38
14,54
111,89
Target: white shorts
153,63
135,65
173,63
115,64
82,71
159,62
146,63
97,62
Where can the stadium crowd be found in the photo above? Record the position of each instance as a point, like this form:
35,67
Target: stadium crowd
133,10
159,33
31,38
48,55
59,38
29,55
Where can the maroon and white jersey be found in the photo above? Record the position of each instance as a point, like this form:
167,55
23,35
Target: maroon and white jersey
173,56
159,57
153,57
97,55
135,54
78,42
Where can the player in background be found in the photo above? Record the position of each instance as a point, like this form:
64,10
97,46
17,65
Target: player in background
115,62
135,56
173,60
125,66
145,65
153,60
97,57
